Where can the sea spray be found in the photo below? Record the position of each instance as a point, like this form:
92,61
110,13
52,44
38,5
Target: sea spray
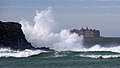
43,33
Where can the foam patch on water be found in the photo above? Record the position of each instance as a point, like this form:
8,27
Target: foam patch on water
6,52
100,56
100,48
56,54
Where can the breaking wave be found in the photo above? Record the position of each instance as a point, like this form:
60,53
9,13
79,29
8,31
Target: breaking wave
43,32
7,52
100,56
100,48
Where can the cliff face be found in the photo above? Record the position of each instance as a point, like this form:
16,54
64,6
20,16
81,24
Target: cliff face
12,36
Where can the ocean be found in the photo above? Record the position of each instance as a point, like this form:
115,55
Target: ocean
69,49
55,59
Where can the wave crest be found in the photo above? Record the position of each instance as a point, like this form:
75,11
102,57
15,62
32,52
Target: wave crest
100,56
7,52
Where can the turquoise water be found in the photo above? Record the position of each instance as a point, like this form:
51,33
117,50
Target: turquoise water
65,59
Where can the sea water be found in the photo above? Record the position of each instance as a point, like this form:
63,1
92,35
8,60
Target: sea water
63,59
69,49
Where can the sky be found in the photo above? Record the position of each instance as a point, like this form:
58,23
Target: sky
103,15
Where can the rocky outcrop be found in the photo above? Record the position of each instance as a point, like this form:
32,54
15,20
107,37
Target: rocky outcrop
12,36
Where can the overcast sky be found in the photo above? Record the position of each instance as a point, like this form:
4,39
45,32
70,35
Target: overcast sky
99,14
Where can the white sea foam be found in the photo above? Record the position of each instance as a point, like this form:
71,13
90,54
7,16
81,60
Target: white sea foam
101,56
56,54
6,52
43,34
100,48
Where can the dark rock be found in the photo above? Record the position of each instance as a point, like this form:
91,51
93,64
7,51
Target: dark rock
45,48
11,36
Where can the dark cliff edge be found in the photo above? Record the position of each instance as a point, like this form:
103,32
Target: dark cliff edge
12,36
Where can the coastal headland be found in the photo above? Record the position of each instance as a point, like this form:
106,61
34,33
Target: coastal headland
92,37
12,36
